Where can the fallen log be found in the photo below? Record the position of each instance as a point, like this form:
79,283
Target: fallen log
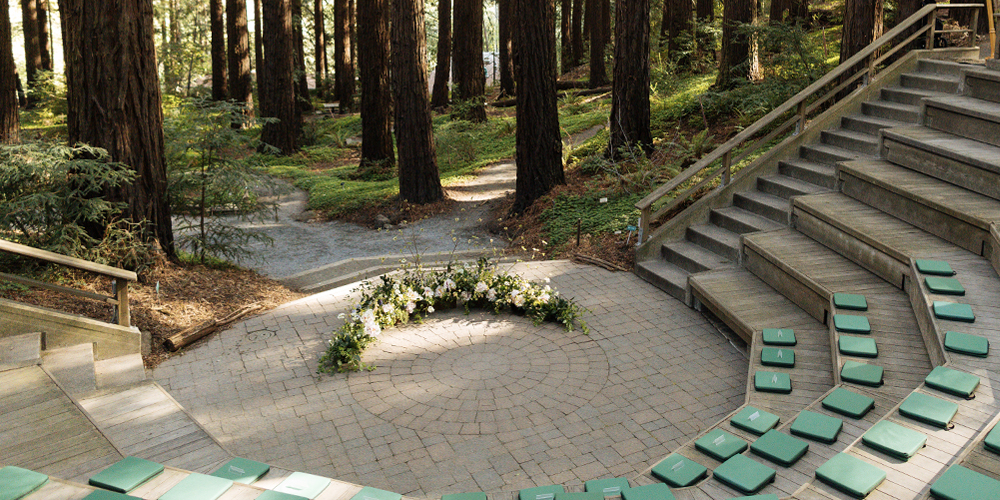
194,333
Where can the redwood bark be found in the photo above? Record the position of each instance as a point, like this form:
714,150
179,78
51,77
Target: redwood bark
789,11
470,77
676,28
598,41
113,101
302,99
9,124
376,92
419,181
442,73
319,48
705,10
539,147
343,72
238,42
630,88
739,56
220,87
44,41
507,18
862,25
32,52
258,53
565,34
279,62
577,33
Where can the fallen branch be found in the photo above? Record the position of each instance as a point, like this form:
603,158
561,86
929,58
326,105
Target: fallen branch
506,103
194,333
587,259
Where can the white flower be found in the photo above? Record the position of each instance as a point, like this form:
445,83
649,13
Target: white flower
430,309
387,308
547,289
491,295
440,291
368,317
547,280
466,296
341,316
449,284
428,293
410,306
481,287
372,330
518,300
544,298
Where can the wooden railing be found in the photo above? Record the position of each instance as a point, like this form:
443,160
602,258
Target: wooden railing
719,163
121,277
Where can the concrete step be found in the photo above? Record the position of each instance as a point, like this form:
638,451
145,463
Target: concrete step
908,113
72,367
120,371
851,140
665,276
911,96
944,67
692,257
18,351
740,221
868,124
808,171
953,213
766,205
785,187
983,84
928,81
720,241
830,155
964,116
964,162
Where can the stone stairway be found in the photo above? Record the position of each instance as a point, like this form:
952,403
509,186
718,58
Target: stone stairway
715,243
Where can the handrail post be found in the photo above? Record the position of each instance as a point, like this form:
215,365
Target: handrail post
726,164
643,223
974,27
800,125
931,30
123,310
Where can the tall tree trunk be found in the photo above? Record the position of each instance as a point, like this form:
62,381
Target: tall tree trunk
565,34
665,23
279,63
506,14
220,86
862,25
419,181
705,10
302,98
319,49
470,77
352,22
9,124
113,101
32,52
630,88
258,55
442,74
343,72
577,33
598,41
539,147
679,36
739,58
44,41
790,11
376,91
238,42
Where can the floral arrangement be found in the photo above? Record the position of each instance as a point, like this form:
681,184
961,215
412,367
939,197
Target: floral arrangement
413,293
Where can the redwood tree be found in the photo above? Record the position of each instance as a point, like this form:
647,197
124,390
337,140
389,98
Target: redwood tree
790,11
319,48
44,48
376,96
442,73
9,125
539,147
705,10
565,34
419,181
302,99
113,101
862,25
32,51
343,70
677,24
598,41
238,42
630,87
220,87
739,57
278,100
258,51
467,53
577,30
506,21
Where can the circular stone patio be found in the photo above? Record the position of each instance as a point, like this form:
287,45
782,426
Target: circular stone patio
469,403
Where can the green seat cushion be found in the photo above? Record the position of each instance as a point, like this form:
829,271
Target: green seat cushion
851,475
766,496
476,495
894,440
720,445
657,491
580,495
678,471
275,495
857,346
965,343
369,493
944,286
198,487
303,485
753,420
16,482
816,426
954,311
952,381
745,474
780,448
938,267
609,487
848,403
959,483
772,382
861,373
541,492
851,324
928,409
242,470
126,474
992,440
850,301
778,336
777,356
109,495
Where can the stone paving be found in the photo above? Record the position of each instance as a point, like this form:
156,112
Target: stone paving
469,403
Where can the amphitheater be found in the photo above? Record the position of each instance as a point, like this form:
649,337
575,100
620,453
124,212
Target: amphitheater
822,325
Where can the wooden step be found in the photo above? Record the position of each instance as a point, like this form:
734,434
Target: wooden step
814,173
868,124
964,162
830,155
741,221
785,187
983,84
851,140
720,241
934,82
908,113
763,204
964,116
691,257
119,371
666,276
72,367
945,67
18,351
911,96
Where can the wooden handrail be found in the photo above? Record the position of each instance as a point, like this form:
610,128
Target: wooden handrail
798,102
122,277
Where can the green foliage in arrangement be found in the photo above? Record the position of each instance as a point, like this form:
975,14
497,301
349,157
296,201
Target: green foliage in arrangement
413,293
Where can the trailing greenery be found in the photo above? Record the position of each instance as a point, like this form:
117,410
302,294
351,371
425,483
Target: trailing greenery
413,293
